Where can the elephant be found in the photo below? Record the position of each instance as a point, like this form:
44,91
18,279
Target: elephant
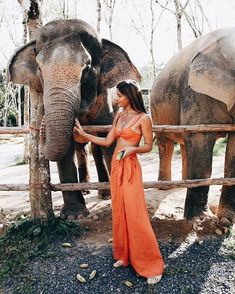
197,86
71,68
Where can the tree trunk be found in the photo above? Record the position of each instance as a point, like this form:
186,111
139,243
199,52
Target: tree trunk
98,16
151,41
40,192
39,172
110,5
34,21
26,123
19,107
178,16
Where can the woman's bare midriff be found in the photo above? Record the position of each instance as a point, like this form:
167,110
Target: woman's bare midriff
122,143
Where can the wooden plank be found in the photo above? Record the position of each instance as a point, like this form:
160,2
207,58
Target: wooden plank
14,187
156,128
14,130
147,185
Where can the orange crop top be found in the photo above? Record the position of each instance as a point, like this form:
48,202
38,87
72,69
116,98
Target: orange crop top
127,133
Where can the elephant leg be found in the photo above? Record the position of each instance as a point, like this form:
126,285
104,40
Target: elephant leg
199,156
184,161
102,171
108,154
82,160
166,148
74,202
227,200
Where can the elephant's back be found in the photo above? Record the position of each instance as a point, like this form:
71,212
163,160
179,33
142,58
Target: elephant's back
170,85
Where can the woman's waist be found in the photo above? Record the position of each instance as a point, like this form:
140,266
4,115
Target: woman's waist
120,147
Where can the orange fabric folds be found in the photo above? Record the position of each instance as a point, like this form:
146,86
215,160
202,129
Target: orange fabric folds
133,237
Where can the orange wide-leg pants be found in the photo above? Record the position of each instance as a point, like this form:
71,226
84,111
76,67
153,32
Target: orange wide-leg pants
133,238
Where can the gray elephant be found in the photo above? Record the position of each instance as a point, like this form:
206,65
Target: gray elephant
71,68
197,86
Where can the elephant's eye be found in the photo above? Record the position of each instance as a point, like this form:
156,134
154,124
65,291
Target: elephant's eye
88,67
39,69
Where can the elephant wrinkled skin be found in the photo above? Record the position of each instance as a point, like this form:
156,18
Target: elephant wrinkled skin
197,86
72,69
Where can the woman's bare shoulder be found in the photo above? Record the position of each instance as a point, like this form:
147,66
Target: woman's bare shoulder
145,118
117,115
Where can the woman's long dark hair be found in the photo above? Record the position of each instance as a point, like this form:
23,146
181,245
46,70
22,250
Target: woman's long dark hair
132,91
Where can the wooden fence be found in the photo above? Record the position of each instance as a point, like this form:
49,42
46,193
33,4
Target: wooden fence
47,187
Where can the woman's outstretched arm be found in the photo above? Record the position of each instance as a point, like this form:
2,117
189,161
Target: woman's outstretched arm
106,142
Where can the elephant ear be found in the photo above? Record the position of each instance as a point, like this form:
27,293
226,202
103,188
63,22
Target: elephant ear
22,68
116,66
212,69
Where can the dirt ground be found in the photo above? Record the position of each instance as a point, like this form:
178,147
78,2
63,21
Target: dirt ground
165,206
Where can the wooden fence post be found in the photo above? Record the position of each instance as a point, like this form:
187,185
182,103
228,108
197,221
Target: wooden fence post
39,171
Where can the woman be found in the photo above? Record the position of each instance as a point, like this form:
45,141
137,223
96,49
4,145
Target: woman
133,237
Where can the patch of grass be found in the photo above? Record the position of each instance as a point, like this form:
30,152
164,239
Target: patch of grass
19,160
30,238
177,149
26,288
229,243
220,146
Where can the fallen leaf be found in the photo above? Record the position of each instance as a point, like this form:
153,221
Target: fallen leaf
92,274
84,265
128,284
66,245
80,278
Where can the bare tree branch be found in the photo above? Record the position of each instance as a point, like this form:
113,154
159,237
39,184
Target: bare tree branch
178,12
184,6
165,7
203,13
160,16
10,32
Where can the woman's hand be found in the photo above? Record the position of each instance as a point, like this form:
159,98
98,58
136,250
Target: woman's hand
79,128
128,151
78,133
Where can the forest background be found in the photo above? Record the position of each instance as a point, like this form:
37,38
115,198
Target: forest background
150,31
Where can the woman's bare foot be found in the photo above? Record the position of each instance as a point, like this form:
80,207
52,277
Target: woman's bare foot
154,280
118,263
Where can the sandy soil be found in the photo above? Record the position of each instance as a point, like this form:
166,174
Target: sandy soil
165,205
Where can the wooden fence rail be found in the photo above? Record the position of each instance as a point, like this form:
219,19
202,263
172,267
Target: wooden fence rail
106,185
156,128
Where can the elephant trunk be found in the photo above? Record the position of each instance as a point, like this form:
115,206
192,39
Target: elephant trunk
59,122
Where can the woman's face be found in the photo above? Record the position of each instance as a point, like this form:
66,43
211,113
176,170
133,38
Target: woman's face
122,100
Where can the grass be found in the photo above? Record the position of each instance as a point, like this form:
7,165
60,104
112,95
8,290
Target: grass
220,145
229,242
19,160
28,239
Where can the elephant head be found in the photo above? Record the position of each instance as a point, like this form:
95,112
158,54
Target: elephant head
72,68
212,69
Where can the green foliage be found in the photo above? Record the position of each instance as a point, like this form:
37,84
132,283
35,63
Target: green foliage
146,72
229,243
30,238
177,149
20,160
7,101
220,146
